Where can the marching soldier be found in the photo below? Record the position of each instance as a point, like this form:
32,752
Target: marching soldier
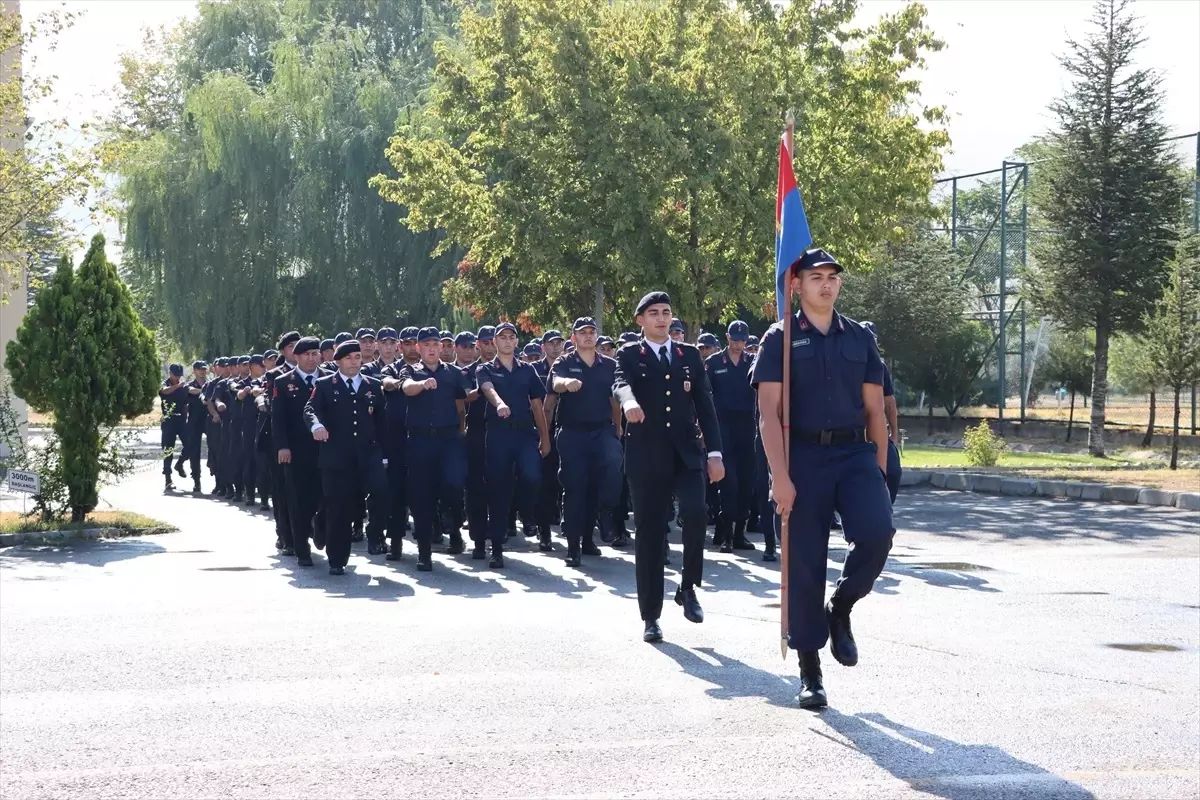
517,438
663,391
548,510
395,446
173,397
215,408
347,418
677,331
437,464
268,439
368,345
327,346
446,339
296,450
838,461
247,397
588,422
606,347
733,397
197,414
476,445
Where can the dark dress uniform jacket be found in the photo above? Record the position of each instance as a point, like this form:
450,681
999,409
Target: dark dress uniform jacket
289,428
675,401
356,421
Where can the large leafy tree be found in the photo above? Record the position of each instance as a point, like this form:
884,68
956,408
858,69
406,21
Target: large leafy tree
584,150
1109,187
82,354
244,143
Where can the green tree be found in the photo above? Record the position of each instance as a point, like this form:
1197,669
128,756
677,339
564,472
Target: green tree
1133,371
82,354
1069,363
1110,190
585,151
945,369
1173,330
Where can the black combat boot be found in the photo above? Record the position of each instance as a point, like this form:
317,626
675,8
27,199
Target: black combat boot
739,537
812,689
841,639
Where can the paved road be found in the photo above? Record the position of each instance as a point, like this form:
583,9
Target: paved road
1014,648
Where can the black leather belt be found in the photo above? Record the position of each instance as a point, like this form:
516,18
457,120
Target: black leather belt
831,437
587,426
450,431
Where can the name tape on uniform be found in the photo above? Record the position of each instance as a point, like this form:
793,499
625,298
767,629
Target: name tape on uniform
20,480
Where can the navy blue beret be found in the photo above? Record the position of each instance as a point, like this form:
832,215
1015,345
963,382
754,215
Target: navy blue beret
291,337
652,299
348,347
306,344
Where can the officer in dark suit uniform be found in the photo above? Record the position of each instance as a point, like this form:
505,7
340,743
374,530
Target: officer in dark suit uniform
212,424
837,461
733,396
662,388
517,436
173,397
277,470
347,416
196,415
295,450
588,421
437,462
249,392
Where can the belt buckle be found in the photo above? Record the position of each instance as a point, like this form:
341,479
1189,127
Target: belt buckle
826,437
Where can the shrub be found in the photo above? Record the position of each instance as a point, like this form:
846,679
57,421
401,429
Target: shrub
983,447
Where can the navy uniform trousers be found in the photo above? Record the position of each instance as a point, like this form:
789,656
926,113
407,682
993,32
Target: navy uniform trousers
477,500
396,451
343,488
761,503
589,476
514,465
170,428
844,478
437,472
737,451
894,470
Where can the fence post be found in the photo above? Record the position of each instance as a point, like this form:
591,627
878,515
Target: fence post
1001,341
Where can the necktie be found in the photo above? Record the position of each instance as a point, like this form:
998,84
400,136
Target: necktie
662,356
308,382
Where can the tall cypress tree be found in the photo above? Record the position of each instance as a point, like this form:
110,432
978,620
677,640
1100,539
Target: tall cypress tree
1110,189
82,354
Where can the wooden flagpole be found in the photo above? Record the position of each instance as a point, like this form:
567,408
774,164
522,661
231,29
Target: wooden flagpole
788,138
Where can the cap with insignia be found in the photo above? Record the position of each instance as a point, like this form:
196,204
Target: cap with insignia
387,335
752,341
361,332
583,322
409,334
815,257
603,340
243,360
552,335
569,347
506,326
344,336
176,370
628,336
676,325
328,344
199,365
256,360
428,335
708,340
271,354
532,349
446,336
738,331
464,339
486,334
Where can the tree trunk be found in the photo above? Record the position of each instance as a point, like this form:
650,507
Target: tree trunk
1099,390
1149,425
1071,416
1175,431
931,419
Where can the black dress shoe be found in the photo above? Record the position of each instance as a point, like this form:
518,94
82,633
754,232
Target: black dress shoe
424,564
692,611
727,546
288,551
620,541
278,543
167,485
769,555
478,552
653,633
357,535
590,549
337,570
304,561
196,488
496,561
573,557
812,690
742,544
841,640
264,506
456,546
179,471
396,551
375,549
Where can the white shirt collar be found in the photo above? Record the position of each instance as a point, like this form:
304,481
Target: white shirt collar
659,349
306,375
351,382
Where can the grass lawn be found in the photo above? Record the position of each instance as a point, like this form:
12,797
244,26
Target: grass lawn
15,522
1062,467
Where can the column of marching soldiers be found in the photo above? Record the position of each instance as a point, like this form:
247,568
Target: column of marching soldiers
447,444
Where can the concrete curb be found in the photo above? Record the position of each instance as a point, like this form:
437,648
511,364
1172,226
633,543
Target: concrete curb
990,483
82,534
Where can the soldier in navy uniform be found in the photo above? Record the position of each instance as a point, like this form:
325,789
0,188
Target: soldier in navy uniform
476,444
347,418
548,508
277,470
212,422
395,447
588,433
664,393
733,397
247,395
838,461
605,346
517,436
436,417
295,450
446,340
367,345
196,416
173,397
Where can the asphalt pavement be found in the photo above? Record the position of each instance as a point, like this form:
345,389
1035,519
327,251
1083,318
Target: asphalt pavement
1012,648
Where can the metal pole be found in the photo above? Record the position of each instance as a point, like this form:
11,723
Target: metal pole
1195,229
598,312
1001,341
954,214
785,401
1024,264
1025,393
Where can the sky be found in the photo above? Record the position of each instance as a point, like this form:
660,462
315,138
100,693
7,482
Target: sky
997,74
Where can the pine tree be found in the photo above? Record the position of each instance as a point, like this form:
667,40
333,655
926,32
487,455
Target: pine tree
1110,189
1173,340
82,354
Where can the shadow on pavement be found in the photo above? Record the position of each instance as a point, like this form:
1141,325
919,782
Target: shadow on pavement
963,515
88,552
733,678
945,768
